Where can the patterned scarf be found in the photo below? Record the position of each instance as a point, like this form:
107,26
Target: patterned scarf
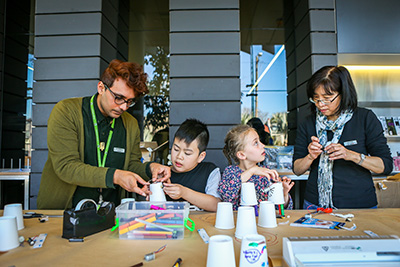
325,181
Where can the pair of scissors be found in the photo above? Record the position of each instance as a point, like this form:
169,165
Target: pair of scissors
322,210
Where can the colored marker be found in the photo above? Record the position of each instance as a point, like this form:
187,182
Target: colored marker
177,263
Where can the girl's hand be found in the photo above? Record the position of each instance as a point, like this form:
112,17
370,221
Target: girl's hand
287,185
270,174
314,148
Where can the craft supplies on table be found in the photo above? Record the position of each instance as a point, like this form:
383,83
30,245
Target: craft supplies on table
152,220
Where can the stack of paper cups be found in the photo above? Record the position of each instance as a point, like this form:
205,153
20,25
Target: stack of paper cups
224,219
157,192
267,215
248,195
8,233
253,251
16,211
275,193
246,222
221,252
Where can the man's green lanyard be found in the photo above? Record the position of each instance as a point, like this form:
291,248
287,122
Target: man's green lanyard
101,163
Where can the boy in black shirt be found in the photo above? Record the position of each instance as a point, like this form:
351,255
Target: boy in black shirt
191,179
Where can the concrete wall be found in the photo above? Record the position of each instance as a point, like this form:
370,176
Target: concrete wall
310,38
205,68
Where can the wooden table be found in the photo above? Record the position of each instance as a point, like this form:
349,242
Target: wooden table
106,249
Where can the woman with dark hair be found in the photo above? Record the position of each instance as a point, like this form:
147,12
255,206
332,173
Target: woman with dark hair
257,124
340,144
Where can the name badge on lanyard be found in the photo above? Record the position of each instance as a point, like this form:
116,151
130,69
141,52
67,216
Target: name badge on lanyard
119,150
350,143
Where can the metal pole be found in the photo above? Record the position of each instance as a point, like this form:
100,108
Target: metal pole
256,91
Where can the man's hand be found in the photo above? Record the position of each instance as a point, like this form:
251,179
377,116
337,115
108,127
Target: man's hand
128,181
175,191
160,173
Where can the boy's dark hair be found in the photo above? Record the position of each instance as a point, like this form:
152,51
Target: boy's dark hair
192,129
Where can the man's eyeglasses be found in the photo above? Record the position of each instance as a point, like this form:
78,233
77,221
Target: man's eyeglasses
120,100
325,102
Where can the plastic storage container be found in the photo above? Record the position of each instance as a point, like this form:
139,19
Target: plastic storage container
152,220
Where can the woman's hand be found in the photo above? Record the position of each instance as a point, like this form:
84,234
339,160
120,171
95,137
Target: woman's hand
314,148
337,151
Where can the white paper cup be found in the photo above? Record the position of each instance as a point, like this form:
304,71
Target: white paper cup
224,218
246,222
248,195
8,233
221,252
157,192
253,251
15,210
275,193
267,215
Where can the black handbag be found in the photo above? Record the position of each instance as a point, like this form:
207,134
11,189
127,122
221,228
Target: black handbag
88,220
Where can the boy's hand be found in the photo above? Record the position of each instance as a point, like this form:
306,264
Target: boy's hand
175,191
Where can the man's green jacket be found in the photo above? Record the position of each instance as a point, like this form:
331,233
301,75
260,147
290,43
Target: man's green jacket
65,168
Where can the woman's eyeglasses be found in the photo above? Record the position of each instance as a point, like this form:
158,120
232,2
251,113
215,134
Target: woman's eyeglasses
325,102
120,100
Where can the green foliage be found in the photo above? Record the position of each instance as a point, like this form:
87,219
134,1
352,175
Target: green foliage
157,101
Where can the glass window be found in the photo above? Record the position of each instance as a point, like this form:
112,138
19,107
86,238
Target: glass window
263,66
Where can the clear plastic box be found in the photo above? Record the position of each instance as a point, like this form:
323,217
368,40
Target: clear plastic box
152,220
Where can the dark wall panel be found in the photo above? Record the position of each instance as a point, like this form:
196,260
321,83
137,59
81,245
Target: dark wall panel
67,68
54,91
39,134
205,66
204,20
39,158
204,4
364,28
214,43
40,115
214,89
227,113
68,24
62,6
67,46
